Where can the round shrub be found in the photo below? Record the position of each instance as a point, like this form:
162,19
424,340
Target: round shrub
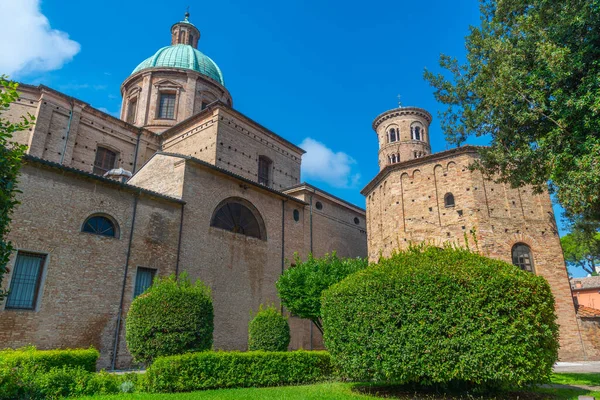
172,317
444,317
268,331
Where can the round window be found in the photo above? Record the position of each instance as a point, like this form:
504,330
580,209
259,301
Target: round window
356,220
296,215
319,205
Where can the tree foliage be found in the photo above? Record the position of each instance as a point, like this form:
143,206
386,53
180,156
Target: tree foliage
446,317
10,163
582,249
300,286
173,316
530,81
268,331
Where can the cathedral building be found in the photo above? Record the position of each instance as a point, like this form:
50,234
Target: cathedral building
180,182
422,197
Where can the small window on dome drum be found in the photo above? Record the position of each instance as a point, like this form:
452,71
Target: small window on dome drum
319,205
191,40
296,215
131,110
166,106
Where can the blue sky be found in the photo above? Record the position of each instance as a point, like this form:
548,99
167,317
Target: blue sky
315,72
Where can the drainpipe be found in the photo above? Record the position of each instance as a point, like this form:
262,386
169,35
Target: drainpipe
62,156
118,327
311,252
282,242
179,243
137,146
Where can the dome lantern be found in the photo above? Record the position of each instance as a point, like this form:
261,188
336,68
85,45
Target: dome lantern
184,32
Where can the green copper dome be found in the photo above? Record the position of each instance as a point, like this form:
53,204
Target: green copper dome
183,56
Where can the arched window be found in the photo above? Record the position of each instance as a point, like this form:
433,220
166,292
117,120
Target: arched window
264,170
449,200
296,215
393,137
100,225
522,258
416,132
191,40
239,216
394,158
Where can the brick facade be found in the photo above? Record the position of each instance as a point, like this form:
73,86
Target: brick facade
406,203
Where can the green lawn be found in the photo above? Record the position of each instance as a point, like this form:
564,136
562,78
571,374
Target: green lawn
340,391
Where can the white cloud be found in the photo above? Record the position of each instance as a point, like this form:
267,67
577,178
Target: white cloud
28,42
323,164
115,114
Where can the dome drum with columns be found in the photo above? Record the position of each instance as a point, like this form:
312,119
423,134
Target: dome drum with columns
175,83
403,135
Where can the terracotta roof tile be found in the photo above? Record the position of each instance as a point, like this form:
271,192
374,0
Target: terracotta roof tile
587,312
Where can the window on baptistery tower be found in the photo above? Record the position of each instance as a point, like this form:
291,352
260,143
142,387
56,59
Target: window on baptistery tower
264,171
522,258
449,200
237,215
416,132
393,135
166,106
394,158
132,110
105,160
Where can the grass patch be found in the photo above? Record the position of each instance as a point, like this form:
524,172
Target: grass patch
589,379
343,391
325,391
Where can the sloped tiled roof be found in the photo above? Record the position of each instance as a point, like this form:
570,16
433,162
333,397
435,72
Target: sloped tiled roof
587,312
590,282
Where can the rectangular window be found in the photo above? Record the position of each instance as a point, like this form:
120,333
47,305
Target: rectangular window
105,160
264,165
166,107
131,110
143,280
25,282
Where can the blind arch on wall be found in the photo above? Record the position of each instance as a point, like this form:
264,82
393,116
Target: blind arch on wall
238,215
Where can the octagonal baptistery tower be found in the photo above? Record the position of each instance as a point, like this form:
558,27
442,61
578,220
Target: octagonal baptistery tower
175,83
403,134
436,198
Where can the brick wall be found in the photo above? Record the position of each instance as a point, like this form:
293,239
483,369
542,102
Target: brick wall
405,204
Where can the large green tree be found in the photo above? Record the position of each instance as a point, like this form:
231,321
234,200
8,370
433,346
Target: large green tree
582,249
531,81
10,163
301,285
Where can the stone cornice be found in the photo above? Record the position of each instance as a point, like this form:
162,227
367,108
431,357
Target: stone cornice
396,112
469,149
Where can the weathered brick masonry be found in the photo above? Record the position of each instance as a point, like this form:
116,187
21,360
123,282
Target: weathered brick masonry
406,203
190,153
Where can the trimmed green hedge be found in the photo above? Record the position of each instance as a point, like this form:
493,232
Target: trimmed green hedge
173,316
47,359
435,316
214,370
268,331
